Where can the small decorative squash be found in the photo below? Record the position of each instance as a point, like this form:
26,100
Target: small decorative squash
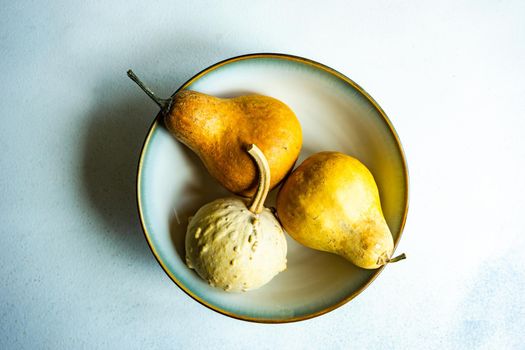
236,247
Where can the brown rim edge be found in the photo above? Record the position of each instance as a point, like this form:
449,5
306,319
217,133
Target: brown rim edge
310,63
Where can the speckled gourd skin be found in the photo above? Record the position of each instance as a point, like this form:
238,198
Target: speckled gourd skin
219,129
233,248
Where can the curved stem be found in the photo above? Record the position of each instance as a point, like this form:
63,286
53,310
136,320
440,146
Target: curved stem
163,103
263,188
397,258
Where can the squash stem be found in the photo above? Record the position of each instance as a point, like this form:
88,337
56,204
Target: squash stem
263,188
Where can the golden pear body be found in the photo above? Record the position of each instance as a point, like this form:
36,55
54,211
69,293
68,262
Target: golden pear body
331,203
218,130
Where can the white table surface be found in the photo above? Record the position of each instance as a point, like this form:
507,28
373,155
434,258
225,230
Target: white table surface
75,269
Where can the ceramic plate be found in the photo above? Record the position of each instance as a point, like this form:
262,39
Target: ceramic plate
336,114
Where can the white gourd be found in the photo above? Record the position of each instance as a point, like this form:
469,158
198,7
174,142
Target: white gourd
236,247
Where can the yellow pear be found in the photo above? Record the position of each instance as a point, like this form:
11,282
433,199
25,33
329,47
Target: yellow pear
331,203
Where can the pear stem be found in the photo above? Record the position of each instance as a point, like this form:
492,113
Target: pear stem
397,258
163,103
263,188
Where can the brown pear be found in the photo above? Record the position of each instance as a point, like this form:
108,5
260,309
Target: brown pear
219,130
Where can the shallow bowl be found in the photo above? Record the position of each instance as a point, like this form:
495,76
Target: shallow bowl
335,114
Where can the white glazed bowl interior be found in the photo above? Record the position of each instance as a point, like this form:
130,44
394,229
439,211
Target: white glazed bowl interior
335,114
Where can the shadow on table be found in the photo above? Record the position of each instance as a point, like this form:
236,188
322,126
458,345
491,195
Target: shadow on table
115,131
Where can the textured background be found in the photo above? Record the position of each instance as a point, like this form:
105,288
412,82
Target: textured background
75,270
